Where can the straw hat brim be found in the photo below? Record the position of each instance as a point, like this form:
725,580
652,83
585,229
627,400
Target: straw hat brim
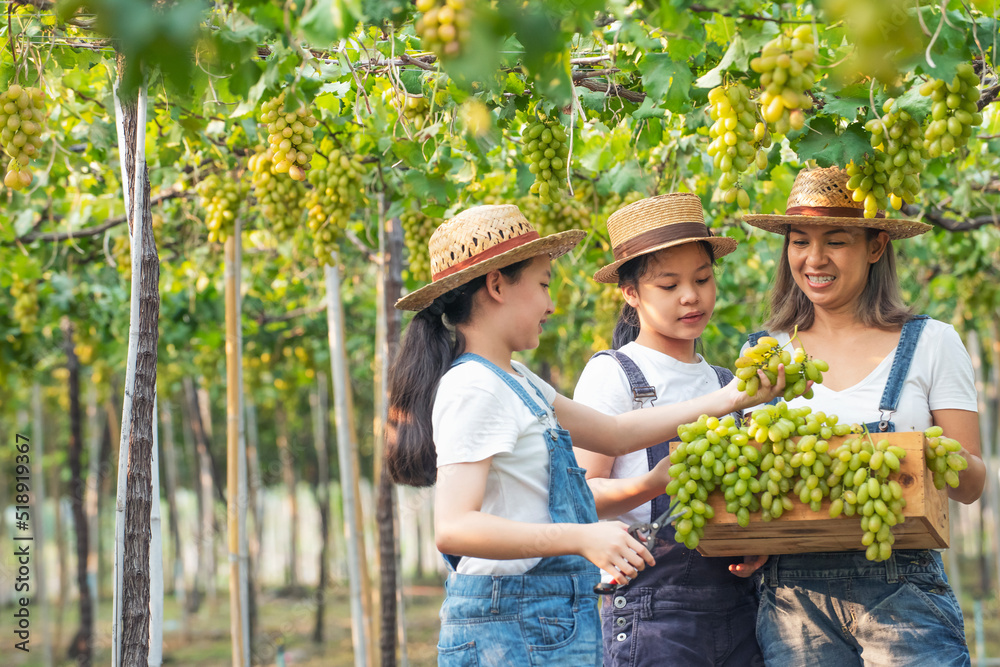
721,245
896,228
554,245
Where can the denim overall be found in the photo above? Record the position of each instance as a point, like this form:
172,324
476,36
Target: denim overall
842,609
547,616
687,609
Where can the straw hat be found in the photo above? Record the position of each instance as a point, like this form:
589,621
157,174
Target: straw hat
479,240
821,197
655,223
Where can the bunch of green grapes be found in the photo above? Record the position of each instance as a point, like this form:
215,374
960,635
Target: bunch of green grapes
696,470
864,489
417,230
741,487
766,355
544,147
560,216
787,70
738,139
413,108
894,175
25,309
944,458
338,189
280,199
221,198
954,112
444,26
21,118
290,135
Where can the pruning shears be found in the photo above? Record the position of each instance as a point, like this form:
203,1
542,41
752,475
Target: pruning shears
643,531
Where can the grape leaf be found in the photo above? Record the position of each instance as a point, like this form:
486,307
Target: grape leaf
664,79
822,143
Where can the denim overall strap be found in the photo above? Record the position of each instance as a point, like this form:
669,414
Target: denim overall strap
537,411
908,339
642,391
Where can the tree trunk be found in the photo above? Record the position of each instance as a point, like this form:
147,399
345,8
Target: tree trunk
320,410
348,471
391,268
206,530
288,475
236,493
130,646
38,512
194,594
81,647
155,558
95,473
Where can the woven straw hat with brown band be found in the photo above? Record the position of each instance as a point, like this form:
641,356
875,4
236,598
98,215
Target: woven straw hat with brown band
656,223
479,240
820,197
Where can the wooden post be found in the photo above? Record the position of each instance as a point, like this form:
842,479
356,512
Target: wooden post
345,456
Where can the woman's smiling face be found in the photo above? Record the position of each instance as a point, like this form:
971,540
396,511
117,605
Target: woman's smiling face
831,264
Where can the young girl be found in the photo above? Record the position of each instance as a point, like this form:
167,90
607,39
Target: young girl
690,608
513,512
892,371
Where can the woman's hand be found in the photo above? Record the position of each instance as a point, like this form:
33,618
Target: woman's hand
608,545
749,565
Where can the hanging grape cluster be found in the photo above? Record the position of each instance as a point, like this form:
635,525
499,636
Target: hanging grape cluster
787,70
21,124
417,230
954,111
338,188
544,147
25,309
766,355
280,199
565,214
220,197
738,139
444,26
889,175
944,458
414,109
290,136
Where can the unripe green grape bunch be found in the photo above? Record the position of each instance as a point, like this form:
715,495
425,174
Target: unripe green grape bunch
695,472
338,188
565,214
25,310
787,70
544,147
766,355
954,111
738,139
444,26
21,125
944,458
417,230
280,199
890,175
290,136
412,108
220,197
860,486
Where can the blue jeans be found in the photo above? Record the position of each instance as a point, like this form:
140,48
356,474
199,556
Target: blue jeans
840,609
532,619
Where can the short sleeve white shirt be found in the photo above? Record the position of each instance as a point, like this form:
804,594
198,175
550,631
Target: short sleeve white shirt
478,416
940,378
604,386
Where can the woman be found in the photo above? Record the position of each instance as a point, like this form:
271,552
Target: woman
893,371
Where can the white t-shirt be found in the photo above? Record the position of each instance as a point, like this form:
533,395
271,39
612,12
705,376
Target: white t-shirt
604,386
477,416
940,378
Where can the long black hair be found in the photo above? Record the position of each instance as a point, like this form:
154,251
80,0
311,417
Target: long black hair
425,355
629,274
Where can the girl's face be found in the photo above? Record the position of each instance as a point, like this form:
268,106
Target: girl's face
830,264
530,303
674,299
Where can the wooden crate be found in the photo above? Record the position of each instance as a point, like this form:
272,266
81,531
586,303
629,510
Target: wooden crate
802,530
